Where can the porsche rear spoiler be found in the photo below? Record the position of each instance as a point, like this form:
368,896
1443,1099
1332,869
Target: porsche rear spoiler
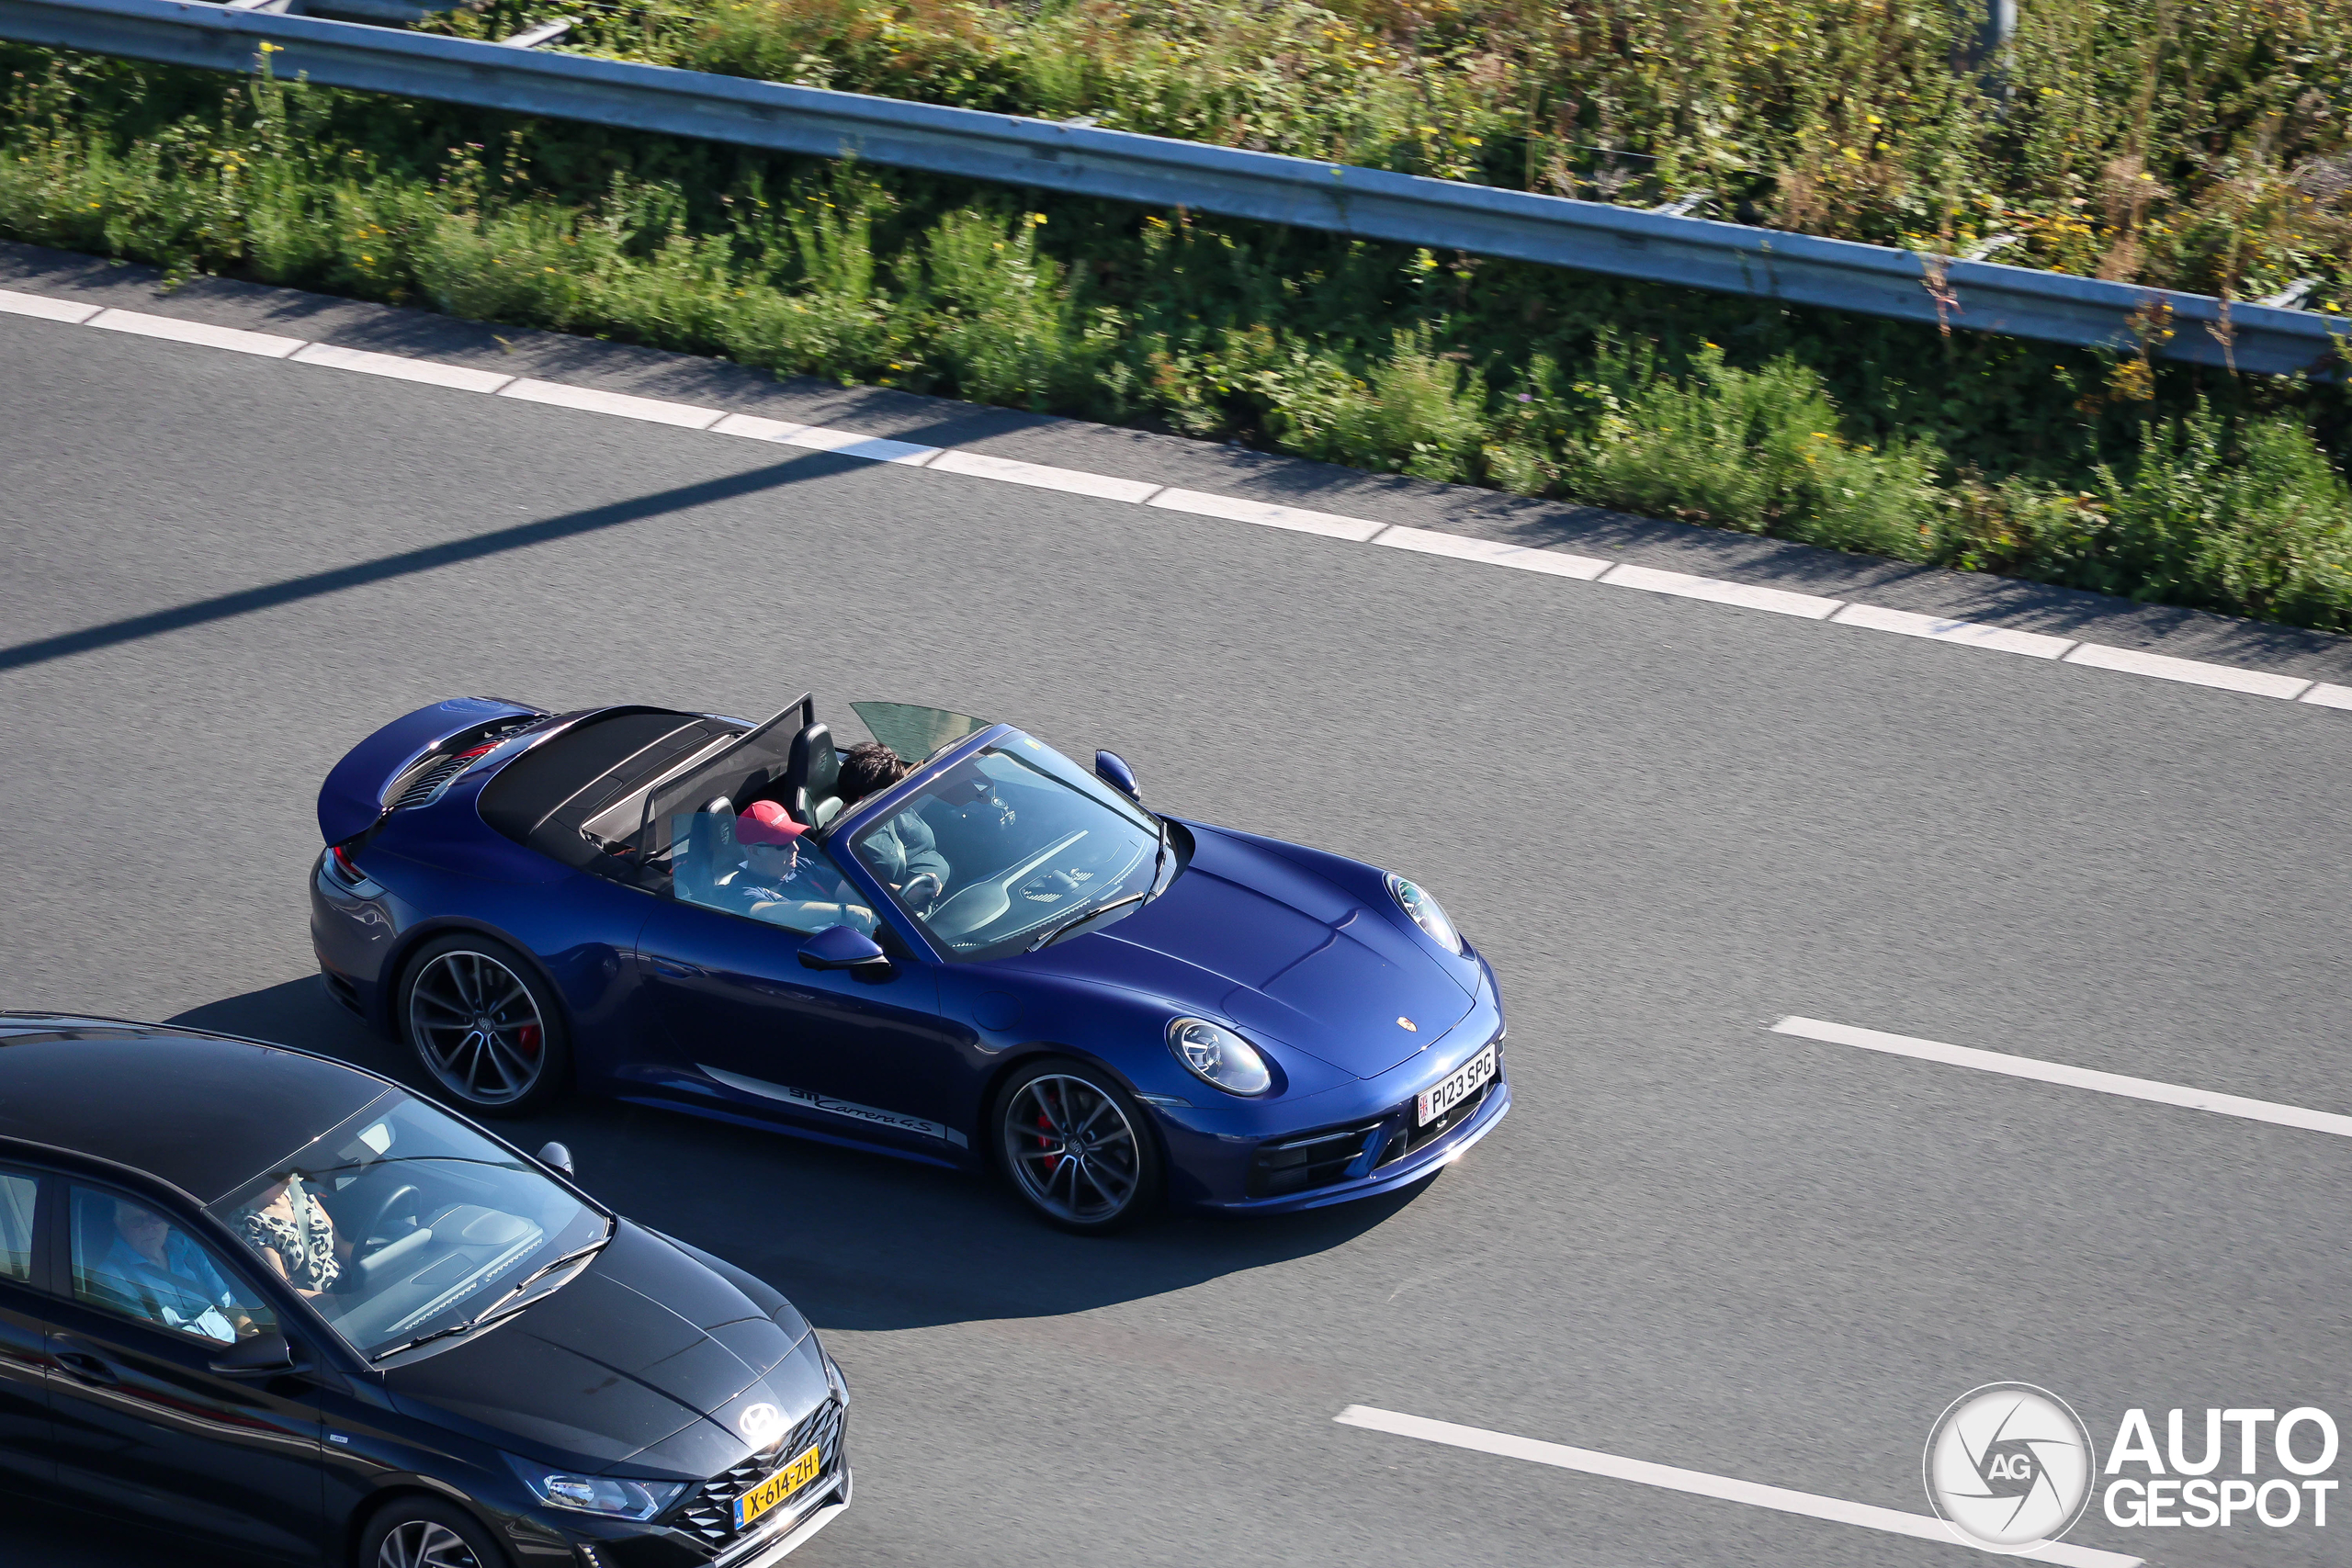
358,792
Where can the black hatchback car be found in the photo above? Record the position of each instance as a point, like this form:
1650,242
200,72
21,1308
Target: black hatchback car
262,1298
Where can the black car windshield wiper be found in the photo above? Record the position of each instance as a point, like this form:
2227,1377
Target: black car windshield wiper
1076,921
1157,860
491,1313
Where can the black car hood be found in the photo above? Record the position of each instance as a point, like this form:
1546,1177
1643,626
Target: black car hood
1245,935
646,1359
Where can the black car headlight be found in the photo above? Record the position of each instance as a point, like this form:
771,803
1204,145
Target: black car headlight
1423,912
615,1499
1216,1056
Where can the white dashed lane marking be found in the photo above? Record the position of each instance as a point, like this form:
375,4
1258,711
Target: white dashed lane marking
2073,1077
1921,1526
1230,508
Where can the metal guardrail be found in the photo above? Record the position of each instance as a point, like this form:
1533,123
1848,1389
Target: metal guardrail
1373,203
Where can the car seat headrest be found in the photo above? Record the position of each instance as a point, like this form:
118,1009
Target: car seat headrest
812,775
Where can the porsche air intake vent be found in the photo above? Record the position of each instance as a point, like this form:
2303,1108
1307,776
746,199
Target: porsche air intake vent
424,780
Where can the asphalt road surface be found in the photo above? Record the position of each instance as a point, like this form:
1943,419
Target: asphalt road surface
1694,1242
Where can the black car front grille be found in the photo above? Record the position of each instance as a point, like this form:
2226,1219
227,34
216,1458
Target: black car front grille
709,1513
1318,1159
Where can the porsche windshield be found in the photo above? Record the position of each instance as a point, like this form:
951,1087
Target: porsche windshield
1012,847
404,1225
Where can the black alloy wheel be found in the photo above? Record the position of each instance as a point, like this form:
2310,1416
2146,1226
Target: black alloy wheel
482,1025
1077,1147
424,1532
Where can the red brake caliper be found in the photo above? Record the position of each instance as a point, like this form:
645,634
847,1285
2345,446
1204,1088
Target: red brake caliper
528,1037
1053,1161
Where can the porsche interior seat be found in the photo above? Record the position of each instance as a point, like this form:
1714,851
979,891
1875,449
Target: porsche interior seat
810,788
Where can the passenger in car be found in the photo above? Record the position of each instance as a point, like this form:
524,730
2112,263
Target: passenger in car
780,883
293,1231
903,852
150,1269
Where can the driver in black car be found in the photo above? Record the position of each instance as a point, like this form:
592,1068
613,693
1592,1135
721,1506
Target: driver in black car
903,852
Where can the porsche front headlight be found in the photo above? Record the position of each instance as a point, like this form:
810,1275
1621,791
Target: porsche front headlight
1216,1056
1424,912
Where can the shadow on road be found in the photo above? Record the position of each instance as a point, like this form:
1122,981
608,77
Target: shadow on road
858,1241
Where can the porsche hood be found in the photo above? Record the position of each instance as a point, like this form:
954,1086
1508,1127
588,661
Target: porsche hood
1249,937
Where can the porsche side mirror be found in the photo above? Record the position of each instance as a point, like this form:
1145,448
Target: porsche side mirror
557,1156
264,1355
842,947
1112,770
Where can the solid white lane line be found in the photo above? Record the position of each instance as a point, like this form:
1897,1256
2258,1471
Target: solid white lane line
71,312
1266,514
267,344
401,367
1237,509
756,428
1493,552
1011,470
1746,595
2073,1077
2328,696
686,416
1922,1526
850,443
2196,673
1976,634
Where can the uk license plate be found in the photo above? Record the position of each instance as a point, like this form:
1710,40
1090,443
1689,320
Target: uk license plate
1455,1086
778,1487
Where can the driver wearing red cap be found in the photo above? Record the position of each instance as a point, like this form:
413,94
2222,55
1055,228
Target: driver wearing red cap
785,883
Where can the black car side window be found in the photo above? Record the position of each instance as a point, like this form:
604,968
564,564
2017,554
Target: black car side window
131,1260
19,1198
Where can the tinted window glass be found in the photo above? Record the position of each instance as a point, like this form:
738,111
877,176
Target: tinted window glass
17,1197
404,1221
914,733
130,1259
795,885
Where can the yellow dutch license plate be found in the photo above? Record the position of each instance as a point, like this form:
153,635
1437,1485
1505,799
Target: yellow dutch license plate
777,1487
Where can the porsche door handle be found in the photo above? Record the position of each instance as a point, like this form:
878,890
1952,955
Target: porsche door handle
86,1367
674,969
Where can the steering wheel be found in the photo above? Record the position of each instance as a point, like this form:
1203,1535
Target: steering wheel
404,1198
984,902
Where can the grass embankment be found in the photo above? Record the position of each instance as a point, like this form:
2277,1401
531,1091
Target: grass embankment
2201,146
2092,470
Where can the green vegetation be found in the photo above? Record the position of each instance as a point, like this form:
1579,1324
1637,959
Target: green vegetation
2202,146
2096,470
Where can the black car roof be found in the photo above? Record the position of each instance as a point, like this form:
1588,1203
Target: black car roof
204,1113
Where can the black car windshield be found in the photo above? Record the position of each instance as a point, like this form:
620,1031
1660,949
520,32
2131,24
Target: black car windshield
403,1223
1013,846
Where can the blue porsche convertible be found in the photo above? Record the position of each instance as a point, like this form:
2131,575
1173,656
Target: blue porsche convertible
949,943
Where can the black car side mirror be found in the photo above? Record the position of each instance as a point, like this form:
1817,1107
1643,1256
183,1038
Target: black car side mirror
264,1355
1112,770
842,947
557,1157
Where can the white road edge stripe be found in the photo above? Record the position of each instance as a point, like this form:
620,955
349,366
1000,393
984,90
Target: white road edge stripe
1921,1526
1233,508
2073,1077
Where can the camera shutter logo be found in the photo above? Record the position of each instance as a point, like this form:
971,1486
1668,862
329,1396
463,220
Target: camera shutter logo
2010,1466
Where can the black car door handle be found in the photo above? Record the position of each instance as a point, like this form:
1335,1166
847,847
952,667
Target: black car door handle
86,1367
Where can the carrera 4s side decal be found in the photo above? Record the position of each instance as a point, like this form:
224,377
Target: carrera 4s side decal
808,1099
